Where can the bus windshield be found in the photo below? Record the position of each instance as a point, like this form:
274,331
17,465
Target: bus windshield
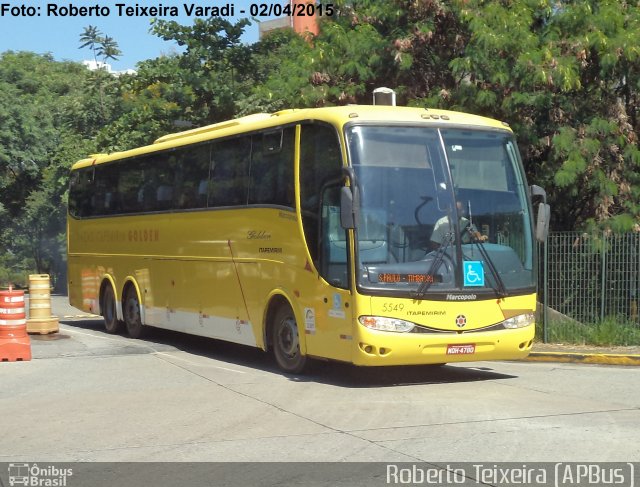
441,210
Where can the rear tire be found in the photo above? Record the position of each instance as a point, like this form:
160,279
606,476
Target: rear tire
286,341
131,312
109,311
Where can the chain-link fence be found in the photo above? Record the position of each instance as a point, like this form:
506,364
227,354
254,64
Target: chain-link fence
589,287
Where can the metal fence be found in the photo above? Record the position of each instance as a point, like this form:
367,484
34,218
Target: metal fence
587,280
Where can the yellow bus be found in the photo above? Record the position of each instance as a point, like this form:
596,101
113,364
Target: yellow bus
375,235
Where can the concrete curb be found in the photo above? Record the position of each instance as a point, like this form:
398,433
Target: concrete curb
584,358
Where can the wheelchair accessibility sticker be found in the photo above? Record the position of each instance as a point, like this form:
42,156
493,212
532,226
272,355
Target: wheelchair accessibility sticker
473,273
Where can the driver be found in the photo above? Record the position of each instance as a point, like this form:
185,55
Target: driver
444,227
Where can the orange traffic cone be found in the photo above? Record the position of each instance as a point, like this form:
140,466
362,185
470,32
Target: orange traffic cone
14,341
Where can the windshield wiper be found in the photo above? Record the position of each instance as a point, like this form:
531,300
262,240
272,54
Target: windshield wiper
435,265
500,288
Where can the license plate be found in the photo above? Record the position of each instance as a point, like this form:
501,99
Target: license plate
461,349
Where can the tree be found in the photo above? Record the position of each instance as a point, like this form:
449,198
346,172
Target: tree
106,48
215,70
90,38
41,134
100,45
209,82
565,75
402,44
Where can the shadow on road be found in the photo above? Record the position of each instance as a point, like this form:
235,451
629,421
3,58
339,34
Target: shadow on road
327,372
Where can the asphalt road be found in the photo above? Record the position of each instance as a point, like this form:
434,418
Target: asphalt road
89,396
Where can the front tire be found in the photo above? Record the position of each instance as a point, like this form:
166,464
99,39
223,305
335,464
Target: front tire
131,312
111,322
286,342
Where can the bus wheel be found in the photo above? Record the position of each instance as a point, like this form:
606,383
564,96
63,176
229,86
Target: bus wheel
111,322
286,341
131,312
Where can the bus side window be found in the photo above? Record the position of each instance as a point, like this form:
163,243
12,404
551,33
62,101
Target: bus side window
147,190
229,172
164,181
321,163
333,240
81,192
106,185
192,170
271,171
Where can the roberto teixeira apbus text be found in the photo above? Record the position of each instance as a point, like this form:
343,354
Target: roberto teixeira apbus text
547,474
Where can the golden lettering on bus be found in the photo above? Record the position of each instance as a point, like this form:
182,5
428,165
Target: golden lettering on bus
86,236
103,236
144,235
258,235
110,236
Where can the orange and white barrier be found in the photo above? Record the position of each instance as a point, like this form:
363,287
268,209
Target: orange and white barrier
14,341
40,319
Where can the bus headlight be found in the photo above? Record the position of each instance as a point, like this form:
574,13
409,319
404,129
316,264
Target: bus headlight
520,321
382,323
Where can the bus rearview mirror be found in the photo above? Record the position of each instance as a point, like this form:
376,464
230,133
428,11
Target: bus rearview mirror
542,223
347,208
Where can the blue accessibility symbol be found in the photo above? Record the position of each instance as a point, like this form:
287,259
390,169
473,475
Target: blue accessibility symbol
473,273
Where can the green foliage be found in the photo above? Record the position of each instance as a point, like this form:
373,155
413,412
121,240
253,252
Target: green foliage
207,83
42,131
213,72
565,76
106,48
612,331
100,45
401,44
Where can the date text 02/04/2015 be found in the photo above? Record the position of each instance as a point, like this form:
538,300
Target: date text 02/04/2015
160,10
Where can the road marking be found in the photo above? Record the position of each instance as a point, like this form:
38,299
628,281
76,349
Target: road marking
196,364
118,340
156,352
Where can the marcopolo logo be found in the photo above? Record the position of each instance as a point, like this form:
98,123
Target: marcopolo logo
461,297
36,476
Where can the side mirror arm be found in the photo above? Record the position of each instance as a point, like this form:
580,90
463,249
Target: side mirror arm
536,191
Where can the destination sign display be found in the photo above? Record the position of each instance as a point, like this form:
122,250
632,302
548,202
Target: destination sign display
392,278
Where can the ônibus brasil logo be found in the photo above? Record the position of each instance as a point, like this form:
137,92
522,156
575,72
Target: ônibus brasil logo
35,476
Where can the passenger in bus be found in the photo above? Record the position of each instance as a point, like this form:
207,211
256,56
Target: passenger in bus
188,197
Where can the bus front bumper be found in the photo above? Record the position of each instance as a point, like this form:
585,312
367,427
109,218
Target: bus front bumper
374,348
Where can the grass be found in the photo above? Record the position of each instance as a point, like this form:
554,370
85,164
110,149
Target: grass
612,331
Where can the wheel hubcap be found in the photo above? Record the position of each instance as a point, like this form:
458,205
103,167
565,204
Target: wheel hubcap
132,311
288,337
109,312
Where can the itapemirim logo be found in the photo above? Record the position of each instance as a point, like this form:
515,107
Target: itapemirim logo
35,476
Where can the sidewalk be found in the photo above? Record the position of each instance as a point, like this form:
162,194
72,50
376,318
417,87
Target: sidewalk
586,354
